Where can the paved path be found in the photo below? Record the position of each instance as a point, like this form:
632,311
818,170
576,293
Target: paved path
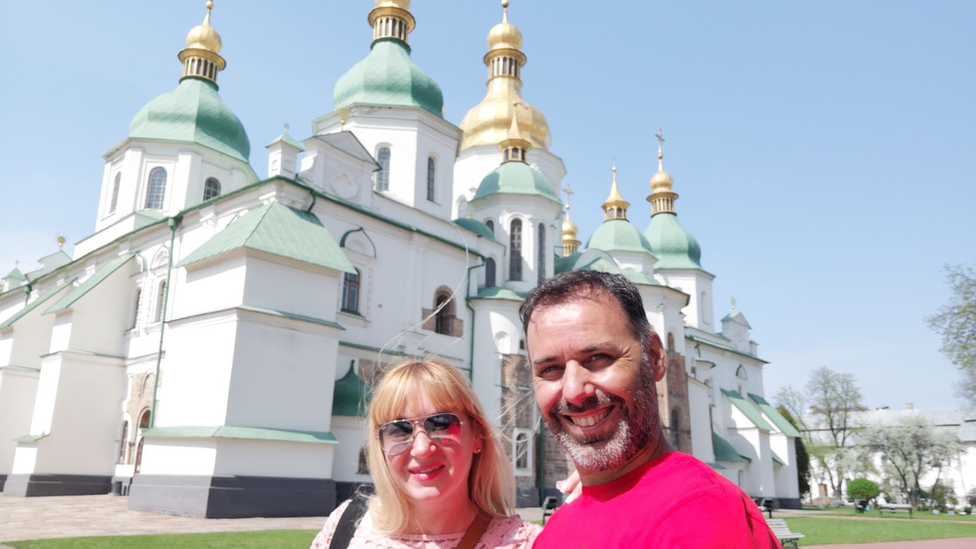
72,516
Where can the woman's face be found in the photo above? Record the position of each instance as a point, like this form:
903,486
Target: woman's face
434,472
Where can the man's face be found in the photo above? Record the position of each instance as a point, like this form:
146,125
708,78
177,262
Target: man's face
593,386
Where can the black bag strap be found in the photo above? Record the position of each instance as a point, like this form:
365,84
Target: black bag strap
348,522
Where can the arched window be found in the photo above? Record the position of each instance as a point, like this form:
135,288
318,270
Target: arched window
157,189
541,255
115,193
135,308
674,427
211,189
123,442
383,175
489,272
444,313
160,301
491,226
350,292
515,251
670,347
430,179
522,450
143,424
741,372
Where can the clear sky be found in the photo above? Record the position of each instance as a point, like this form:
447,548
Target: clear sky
823,151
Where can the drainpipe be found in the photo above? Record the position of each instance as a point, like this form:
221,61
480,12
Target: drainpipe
540,465
173,223
467,303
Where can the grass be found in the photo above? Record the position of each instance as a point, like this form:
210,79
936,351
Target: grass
264,539
926,515
826,531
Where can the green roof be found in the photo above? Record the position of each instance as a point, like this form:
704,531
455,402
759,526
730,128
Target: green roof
737,315
606,266
674,247
716,466
497,292
476,227
515,178
777,418
388,77
31,438
89,283
351,396
15,275
722,346
246,433
748,409
724,451
618,235
292,316
279,230
35,304
287,139
564,264
776,460
193,113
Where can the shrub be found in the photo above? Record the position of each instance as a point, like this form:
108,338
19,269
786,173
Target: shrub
862,488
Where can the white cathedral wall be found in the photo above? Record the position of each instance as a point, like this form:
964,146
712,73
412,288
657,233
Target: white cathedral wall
351,434
18,389
784,476
701,429
273,458
286,285
176,456
698,314
474,163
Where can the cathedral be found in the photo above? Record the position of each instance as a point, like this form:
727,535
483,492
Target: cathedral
209,349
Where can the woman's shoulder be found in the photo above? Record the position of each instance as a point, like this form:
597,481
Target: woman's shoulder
509,533
324,537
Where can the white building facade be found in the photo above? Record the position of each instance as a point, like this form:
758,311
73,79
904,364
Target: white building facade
208,349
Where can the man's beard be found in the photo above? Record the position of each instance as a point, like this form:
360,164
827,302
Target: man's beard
634,433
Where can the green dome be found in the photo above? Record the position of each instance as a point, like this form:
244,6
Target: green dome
671,243
193,113
618,235
476,227
388,76
515,178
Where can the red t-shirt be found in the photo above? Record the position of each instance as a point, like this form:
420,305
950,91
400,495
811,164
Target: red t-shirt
673,500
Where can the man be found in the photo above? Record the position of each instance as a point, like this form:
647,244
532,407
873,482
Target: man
595,359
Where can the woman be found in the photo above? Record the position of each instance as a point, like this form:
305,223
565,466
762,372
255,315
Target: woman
439,471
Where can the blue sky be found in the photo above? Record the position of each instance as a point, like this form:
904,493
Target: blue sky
819,150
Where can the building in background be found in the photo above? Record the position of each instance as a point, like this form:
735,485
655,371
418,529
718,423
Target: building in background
208,349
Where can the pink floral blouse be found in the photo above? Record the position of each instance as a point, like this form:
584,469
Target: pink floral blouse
502,533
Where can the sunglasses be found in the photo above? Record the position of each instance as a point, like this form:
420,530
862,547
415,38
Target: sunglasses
397,435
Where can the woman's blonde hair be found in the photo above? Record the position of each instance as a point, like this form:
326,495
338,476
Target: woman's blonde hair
491,484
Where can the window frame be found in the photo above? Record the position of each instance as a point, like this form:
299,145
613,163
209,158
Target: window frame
515,238
357,285
382,179
207,188
431,177
156,189
528,455
113,204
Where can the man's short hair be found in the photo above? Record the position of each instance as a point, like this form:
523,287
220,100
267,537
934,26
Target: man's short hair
587,284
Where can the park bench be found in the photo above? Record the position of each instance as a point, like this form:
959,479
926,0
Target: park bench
894,508
860,505
765,505
549,507
782,532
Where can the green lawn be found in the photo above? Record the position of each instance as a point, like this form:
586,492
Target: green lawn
265,539
824,531
927,515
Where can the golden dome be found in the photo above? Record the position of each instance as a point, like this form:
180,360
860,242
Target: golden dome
661,181
402,4
615,207
203,36
569,228
504,35
662,195
487,123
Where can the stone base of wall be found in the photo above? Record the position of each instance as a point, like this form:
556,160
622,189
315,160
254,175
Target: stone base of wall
789,503
232,496
3,479
56,485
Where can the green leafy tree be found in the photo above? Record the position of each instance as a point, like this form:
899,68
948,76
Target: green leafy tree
909,450
802,457
828,422
956,322
862,488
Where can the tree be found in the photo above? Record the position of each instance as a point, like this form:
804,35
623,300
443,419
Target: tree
834,398
956,322
862,488
802,457
910,449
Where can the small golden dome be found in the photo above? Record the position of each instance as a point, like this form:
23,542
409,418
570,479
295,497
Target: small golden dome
402,4
661,181
615,207
203,36
504,35
569,228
